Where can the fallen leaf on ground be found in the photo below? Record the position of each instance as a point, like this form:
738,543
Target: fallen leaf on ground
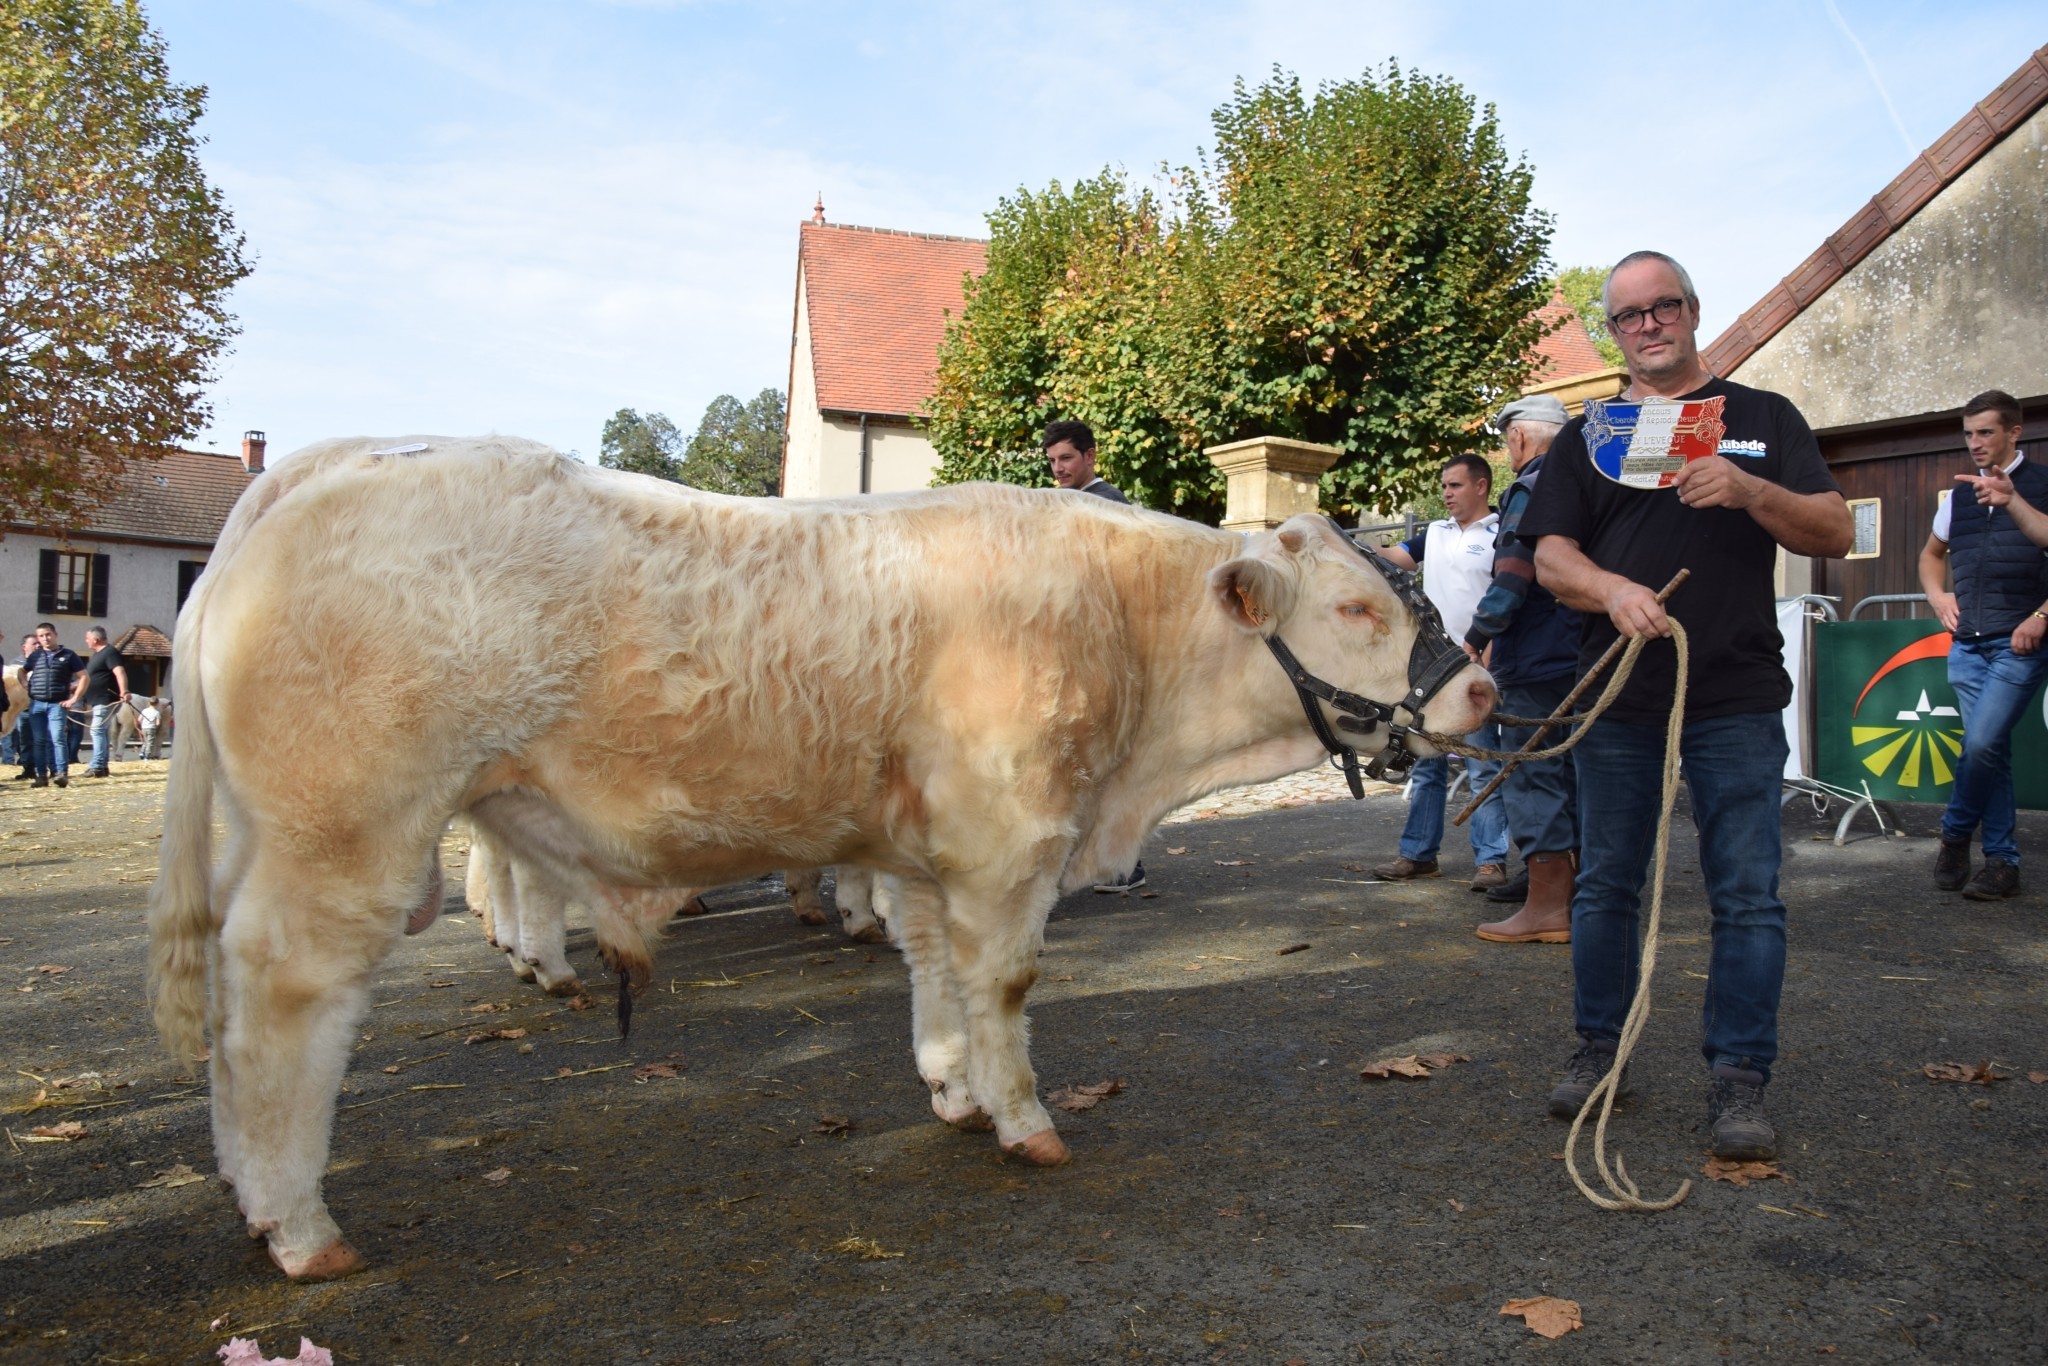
2037,1077
1979,1075
1411,1065
483,1008
180,1175
1742,1173
1546,1315
1291,948
498,1177
580,1002
1181,850
1233,863
867,1249
51,970
655,1071
1075,1099
84,1081
441,984
833,1124
496,1034
66,1132
246,1352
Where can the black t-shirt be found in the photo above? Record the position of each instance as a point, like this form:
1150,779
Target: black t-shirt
100,686
1728,606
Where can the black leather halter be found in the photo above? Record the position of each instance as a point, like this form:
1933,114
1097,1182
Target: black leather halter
1433,661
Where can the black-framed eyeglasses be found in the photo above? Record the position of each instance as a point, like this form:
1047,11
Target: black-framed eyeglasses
1630,320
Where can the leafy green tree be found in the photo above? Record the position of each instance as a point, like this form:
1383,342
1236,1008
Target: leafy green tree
1581,287
1360,267
738,447
116,255
644,445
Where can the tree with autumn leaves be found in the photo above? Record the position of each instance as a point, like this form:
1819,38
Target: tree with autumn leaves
116,255
1359,266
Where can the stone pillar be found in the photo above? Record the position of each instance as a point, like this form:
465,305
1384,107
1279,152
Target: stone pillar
1271,479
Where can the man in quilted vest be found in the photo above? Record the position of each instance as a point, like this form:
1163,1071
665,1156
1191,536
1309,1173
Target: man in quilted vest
1997,615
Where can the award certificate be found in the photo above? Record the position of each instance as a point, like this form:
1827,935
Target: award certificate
1644,445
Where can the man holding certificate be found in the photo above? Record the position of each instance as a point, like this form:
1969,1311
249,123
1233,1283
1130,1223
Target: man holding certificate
1683,471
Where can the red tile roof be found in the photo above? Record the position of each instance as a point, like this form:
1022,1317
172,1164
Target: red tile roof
878,302
1567,347
2014,102
183,498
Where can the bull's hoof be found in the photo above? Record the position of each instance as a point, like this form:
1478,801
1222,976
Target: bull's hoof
523,971
1043,1149
975,1121
568,986
872,934
330,1263
694,906
814,916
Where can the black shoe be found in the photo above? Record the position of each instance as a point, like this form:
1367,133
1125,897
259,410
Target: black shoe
1735,1116
1995,881
1129,882
1582,1074
40,782
63,781
1517,888
1952,865
97,773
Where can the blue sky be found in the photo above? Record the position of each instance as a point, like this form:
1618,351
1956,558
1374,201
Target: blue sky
523,215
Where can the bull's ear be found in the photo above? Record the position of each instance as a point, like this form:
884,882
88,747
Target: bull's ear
1251,592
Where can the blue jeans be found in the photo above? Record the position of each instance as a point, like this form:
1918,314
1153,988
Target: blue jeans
101,729
1542,798
46,732
1993,686
1423,835
1733,768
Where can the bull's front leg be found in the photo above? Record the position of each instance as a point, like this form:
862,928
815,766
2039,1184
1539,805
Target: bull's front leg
539,909
995,939
805,899
857,891
938,1024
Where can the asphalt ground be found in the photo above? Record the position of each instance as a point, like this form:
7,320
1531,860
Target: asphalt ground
788,1196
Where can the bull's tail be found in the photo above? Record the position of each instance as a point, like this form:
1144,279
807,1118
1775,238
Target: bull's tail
181,921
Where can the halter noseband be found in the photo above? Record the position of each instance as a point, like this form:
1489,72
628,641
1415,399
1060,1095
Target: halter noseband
1432,662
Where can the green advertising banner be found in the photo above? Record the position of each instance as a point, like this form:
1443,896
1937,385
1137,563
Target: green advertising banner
1885,715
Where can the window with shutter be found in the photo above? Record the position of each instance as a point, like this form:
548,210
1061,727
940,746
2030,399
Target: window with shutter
188,574
71,584
101,567
46,584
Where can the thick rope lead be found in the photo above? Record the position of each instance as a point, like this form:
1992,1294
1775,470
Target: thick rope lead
1623,1193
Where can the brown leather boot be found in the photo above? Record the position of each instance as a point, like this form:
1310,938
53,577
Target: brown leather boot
1546,917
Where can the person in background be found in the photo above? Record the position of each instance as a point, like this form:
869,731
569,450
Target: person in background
1531,646
1069,448
103,687
50,671
1456,559
22,750
1996,616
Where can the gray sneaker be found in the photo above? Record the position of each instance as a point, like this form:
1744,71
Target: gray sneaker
1582,1074
1735,1116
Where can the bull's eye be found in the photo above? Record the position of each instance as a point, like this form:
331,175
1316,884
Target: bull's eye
1357,611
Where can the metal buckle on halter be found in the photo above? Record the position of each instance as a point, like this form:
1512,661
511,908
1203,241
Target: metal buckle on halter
1433,661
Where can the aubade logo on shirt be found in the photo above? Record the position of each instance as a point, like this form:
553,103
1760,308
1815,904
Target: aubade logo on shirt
1754,449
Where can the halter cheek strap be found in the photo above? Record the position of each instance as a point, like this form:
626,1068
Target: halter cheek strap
1432,662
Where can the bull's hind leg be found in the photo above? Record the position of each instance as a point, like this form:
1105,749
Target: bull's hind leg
995,936
803,885
542,913
938,1025
297,950
857,892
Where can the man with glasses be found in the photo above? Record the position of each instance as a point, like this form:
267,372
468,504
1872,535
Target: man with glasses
1997,617
1604,547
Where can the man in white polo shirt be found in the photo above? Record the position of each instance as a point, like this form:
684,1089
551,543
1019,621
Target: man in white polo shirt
1455,556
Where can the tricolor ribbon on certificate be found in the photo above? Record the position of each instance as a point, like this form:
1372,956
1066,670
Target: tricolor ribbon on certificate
1644,445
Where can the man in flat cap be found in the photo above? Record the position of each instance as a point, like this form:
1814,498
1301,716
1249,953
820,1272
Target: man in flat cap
1530,642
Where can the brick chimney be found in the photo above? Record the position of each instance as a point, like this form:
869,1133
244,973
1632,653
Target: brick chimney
252,452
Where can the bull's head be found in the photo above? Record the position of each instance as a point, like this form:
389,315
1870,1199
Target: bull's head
1362,647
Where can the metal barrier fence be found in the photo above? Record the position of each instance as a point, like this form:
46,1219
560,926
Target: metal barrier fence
1885,601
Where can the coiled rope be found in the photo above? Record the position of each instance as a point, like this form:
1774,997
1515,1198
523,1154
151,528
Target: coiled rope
1622,1192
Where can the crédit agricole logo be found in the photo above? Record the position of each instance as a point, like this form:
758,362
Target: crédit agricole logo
1918,744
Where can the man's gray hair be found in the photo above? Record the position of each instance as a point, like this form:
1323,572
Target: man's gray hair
99,631
1684,278
1537,428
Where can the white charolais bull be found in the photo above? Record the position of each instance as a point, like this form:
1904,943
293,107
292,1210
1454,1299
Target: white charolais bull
992,694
